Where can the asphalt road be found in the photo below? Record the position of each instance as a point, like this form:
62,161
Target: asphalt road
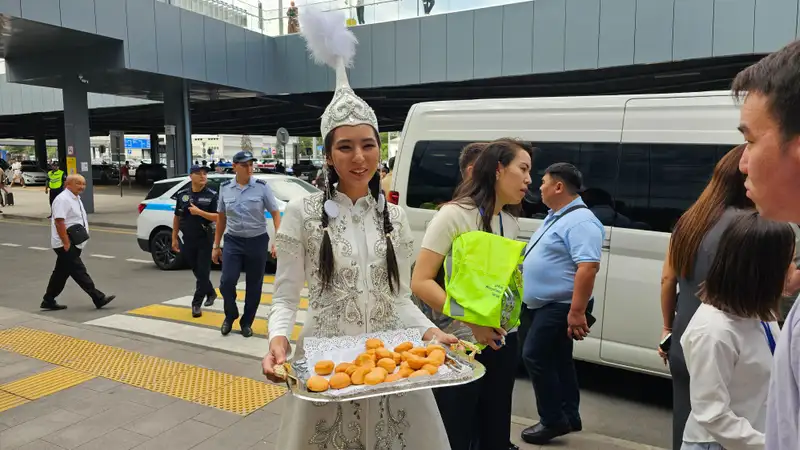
615,403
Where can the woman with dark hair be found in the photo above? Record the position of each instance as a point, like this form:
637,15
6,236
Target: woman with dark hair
691,249
487,200
354,251
729,342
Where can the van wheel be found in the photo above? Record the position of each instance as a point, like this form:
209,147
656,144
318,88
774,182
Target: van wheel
161,250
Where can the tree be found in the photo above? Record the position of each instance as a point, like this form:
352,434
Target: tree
247,145
385,146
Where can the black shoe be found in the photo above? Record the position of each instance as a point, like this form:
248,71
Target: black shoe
512,447
196,311
576,424
104,301
247,331
540,435
226,328
210,299
52,305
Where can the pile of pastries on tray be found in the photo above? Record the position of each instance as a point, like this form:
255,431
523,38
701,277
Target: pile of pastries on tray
378,365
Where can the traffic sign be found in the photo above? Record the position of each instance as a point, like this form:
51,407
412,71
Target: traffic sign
264,152
130,152
137,143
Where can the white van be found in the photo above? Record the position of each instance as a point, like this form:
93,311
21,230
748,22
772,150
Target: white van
644,158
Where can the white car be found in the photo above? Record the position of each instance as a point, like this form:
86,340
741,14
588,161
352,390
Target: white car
33,174
154,224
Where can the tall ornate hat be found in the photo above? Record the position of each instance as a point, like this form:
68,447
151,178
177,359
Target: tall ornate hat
331,43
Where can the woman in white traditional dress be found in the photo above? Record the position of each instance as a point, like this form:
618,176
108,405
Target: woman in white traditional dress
354,250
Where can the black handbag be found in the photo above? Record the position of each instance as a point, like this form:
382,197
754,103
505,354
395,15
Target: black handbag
78,234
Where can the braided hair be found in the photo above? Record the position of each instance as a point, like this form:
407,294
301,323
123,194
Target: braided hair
326,258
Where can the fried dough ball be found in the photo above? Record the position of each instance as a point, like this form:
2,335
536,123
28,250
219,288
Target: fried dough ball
420,373
352,368
415,362
430,368
317,384
375,376
405,372
419,351
383,353
436,357
432,348
323,367
387,364
397,358
359,374
340,381
342,367
363,359
374,344
404,347
393,377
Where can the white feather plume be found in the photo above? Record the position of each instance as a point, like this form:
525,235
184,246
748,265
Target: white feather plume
327,37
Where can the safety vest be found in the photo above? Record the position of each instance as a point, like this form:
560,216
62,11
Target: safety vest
56,179
482,279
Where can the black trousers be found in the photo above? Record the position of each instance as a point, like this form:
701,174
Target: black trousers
360,14
54,193
69,264
478,415
428,5
547,354
197,253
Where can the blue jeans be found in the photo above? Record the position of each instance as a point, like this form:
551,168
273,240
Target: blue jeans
547,354
249,254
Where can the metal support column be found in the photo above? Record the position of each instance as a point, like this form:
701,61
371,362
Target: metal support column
76,135
178,128
61,149
154,148
40,147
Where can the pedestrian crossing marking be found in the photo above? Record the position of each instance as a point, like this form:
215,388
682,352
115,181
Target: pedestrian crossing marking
266,299
219,307
209,318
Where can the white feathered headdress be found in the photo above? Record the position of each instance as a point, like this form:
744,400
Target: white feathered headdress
331,43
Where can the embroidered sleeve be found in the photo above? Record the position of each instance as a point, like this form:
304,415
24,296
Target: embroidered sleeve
290,274
407,311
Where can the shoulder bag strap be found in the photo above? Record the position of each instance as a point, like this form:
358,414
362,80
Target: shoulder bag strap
576,207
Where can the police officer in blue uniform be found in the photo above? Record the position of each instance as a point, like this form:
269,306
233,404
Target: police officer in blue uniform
242,202
195,215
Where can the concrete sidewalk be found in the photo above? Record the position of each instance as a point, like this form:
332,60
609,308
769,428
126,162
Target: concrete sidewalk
66,385
111,210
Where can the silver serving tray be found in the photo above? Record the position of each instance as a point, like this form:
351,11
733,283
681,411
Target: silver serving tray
460,368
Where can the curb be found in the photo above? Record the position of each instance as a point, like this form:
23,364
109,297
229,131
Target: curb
46,220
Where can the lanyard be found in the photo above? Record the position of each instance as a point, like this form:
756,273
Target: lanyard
770,338
499,216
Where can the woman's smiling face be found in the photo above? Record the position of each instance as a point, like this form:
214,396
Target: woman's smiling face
354,154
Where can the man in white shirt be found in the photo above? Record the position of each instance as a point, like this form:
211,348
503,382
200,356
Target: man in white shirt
770,123
68,211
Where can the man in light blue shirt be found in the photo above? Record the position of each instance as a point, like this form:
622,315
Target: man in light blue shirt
562,260
242,202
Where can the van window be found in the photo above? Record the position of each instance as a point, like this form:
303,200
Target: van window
433,175
659,182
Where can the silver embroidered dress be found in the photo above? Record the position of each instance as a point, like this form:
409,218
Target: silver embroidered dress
358,301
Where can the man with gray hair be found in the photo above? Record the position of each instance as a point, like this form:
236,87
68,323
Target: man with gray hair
770,123
68,236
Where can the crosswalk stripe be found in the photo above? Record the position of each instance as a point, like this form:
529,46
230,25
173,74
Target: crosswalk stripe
210,318
189,334
218,306
266,299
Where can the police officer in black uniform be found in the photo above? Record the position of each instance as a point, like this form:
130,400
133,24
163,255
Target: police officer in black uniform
195,215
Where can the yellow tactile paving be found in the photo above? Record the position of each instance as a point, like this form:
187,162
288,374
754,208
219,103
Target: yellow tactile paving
8,401
242,396
83,360
266,299
46,383
209,318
